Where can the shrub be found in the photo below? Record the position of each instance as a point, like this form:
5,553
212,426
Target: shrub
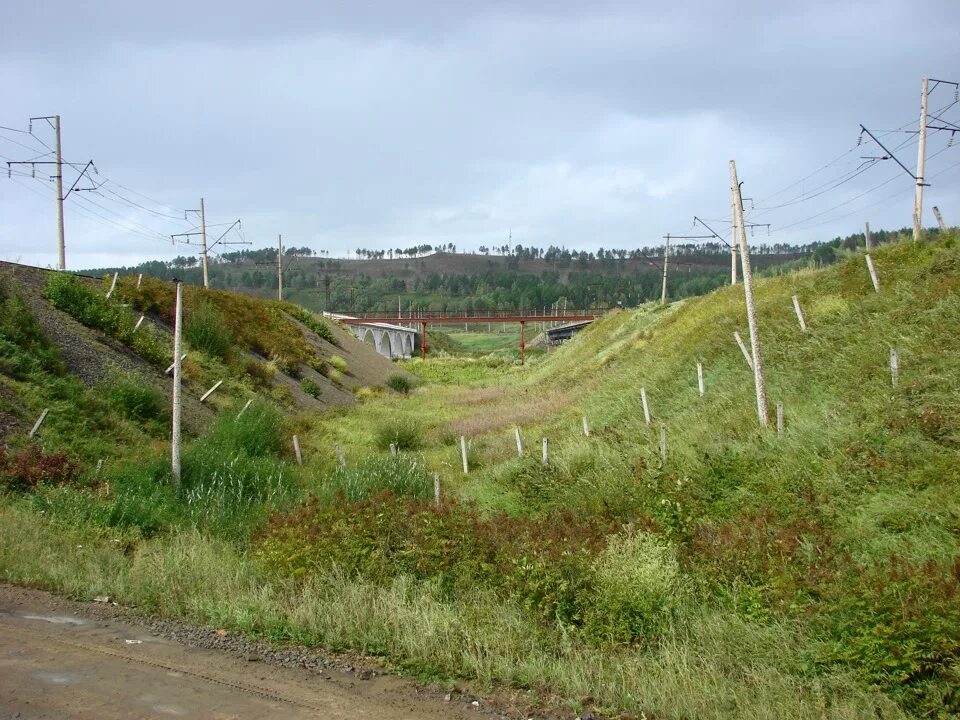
637,587
335,376
338,363
260,372
402,433
137,399
399,383
205,329
310,387
30,467
316,324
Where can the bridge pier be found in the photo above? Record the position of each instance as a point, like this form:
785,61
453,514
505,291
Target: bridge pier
423,341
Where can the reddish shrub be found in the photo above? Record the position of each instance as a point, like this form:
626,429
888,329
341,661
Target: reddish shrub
30,467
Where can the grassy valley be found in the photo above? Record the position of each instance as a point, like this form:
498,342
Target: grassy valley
743,575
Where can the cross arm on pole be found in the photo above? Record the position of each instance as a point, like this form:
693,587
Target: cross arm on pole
889,155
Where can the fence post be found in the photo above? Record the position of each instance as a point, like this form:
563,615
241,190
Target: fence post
780,419
700,378
139,280
546,451
341,458
39,422
646,407
463,454
516,432
296,450
113,285
873,273
799,312
663,442
244,408
139,323
894,367
586,427
743,348
393,448
436,489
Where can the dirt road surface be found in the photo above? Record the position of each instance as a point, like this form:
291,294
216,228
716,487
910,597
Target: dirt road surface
61,659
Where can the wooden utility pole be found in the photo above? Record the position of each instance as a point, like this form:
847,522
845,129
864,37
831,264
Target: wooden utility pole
921,161
61,247
740,230
203,246
175,430
666,257
280,268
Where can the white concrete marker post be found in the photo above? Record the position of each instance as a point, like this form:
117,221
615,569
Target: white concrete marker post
39,422
894,367
296,450
139,323
463,454
516,432
139,280
646,407
780,419
173,364
96,473
663,442
113,285
393,448
210,391
799,312
436,489
545,458
743,349
586,427
244,408
700,378
873,273
341,458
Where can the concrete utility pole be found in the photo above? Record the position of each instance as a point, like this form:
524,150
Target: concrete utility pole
867,239
921,161
175,431
733,245
666,257
203,240
740,230
61,246
280,268
939,217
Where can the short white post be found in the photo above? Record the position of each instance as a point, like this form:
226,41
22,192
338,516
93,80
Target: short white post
210,391
799,312
296,450
663,442
894,367
39,422
182,358
341,458
436,489
867,240
139,323
463,454
586,427
743,348
113,284
393,448
546,452
244,408
780,419
700,378
646,407
516,433
96,473
139,280
873,273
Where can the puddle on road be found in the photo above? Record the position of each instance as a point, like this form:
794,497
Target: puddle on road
56,619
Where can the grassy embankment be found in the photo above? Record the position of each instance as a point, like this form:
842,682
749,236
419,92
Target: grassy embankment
813,575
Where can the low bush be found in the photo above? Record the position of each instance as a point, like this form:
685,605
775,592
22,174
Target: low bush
404,434
260,372
399,383
31,467
310,387
338,363
137,399
206,331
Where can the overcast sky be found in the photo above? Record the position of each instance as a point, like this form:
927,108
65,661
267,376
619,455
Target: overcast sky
390,124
